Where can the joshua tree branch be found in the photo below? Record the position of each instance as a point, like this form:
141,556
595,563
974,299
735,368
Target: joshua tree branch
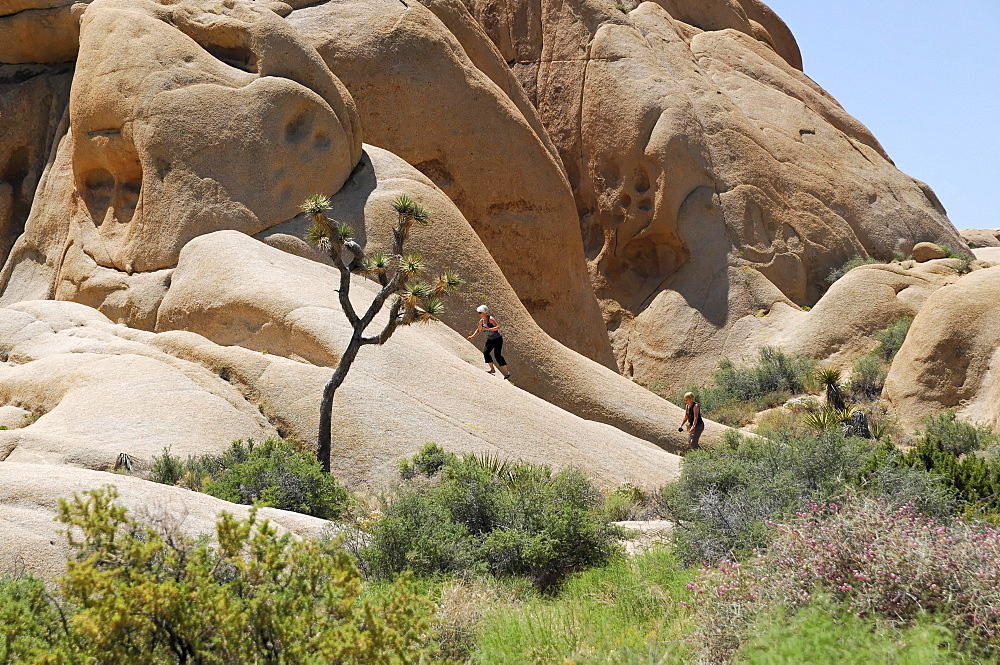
390,326
344,292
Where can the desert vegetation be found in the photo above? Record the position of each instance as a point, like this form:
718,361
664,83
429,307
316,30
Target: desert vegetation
788,540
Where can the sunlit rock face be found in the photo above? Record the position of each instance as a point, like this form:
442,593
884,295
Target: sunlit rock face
637,193
184,118
713,178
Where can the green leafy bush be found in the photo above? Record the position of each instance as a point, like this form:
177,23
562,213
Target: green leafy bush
275,473
727,498
890,339
506,519
945,432
848,266
868,377
30,621
134,594
950,449
737,393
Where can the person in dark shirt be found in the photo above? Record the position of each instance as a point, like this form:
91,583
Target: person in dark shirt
693,419
494,340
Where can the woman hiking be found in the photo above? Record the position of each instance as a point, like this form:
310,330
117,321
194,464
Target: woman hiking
494,341
692,416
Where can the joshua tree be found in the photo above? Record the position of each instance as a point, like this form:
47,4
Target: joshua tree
413,301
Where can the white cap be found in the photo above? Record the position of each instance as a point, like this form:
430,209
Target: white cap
483,309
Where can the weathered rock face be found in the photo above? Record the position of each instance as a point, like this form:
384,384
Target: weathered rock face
98,389
33,101
717,154
86,390
231,124
40,31
951,356
407,73
981,237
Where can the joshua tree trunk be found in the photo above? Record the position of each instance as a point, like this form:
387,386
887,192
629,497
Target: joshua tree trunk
326,405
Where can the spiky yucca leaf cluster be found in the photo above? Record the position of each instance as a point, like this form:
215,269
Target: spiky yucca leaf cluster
415,300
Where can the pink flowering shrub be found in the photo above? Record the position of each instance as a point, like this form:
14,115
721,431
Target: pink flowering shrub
875,561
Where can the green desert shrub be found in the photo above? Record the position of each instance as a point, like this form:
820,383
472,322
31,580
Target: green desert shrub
868,377
478,514
890,339
727,498
870,560
276,473
30,620
136,594
952,450
848,266
945,432
737,393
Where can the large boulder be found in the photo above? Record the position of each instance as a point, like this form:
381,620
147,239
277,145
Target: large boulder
31,540
40,31
84,390
843,324
95,389
231,125
981,237
719,162
472,131
542,365
951,356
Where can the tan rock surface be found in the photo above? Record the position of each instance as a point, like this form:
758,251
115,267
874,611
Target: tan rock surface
232,125
101,390
45,31
543,367
927,251
408,73
33,100
951,356
842,325
988,254
981,237
29,502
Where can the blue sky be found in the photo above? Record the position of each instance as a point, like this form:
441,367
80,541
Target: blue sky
925,78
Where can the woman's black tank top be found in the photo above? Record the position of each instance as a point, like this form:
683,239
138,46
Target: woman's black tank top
690,415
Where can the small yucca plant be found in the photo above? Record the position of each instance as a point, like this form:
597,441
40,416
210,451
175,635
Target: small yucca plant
412,299
830,377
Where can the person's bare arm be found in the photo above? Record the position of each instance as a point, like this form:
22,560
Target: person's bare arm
476,332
